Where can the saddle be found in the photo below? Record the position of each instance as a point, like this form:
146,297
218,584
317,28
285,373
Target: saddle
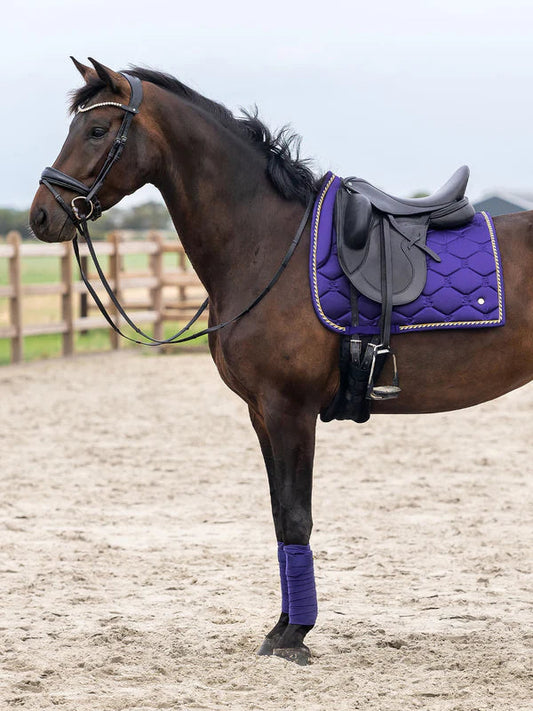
381,244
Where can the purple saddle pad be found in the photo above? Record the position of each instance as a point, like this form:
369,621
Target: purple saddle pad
464,290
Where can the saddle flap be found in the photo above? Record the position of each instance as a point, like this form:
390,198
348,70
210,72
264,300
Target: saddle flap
361,260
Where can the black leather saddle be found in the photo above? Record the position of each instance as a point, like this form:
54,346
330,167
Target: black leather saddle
363,212
381,244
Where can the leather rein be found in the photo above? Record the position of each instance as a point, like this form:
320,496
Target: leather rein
85,206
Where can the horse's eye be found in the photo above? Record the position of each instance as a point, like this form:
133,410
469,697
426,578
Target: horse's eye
97,132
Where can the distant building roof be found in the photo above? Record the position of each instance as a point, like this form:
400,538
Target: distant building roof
502,202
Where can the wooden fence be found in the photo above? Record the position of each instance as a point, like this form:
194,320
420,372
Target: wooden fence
153,295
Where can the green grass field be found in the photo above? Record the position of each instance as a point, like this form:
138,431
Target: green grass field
44,270
38,309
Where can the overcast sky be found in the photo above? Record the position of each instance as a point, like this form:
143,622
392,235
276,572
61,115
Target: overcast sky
400,93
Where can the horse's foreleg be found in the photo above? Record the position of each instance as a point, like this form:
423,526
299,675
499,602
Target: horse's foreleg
287,443
271,641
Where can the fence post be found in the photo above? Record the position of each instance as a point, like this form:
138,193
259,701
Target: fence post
15,301
114,274
182,263
156,294
67,305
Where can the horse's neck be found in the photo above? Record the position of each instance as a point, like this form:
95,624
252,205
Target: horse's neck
227,214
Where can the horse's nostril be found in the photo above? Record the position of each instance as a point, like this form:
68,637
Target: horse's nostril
41,217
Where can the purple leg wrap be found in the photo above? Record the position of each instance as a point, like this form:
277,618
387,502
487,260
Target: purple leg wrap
282,559
303,608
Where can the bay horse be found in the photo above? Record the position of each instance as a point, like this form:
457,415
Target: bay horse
236,194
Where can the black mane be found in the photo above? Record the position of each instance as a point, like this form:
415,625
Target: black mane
290,175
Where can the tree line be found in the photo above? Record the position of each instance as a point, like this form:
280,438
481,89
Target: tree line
149,215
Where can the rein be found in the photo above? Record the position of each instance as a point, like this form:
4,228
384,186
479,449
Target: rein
85,206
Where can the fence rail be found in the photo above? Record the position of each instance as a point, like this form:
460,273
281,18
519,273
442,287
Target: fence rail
153,295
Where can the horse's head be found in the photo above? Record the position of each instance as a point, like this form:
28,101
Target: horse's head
101,110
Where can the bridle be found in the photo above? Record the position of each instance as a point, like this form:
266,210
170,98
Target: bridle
88,197
52,176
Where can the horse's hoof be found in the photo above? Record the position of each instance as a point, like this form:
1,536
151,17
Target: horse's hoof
298,655
268,646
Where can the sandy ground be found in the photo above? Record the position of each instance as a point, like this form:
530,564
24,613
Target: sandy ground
138,563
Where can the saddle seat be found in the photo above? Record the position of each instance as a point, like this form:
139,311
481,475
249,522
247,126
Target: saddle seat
451,195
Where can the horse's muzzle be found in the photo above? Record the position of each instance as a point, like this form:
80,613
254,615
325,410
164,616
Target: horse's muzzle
50,224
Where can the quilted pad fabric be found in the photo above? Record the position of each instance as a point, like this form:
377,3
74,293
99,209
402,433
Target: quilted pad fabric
464,290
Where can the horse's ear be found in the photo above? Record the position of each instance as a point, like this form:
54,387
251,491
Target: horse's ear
112,79
83,69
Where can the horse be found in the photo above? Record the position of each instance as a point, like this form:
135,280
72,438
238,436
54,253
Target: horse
236,193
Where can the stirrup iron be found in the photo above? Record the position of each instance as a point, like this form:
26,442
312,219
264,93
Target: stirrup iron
383,392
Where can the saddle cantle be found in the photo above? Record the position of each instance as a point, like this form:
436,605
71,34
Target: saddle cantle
381,244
